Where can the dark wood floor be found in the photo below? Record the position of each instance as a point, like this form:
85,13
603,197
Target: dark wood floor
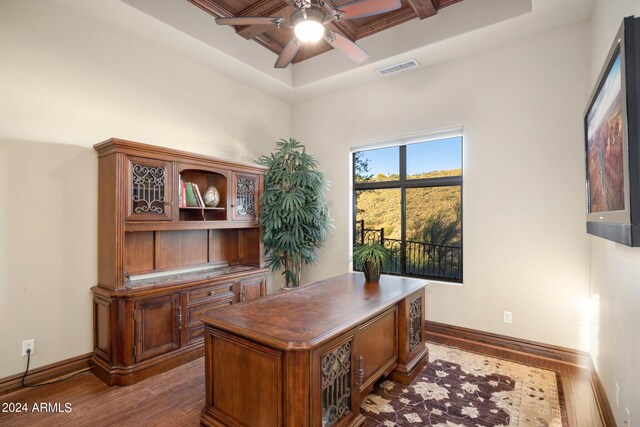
175,398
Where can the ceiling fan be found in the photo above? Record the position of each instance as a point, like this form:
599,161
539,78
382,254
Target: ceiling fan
309,22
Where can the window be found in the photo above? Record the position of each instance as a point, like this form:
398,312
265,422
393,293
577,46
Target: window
409,197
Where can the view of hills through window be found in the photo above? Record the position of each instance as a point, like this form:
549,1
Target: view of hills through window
428,177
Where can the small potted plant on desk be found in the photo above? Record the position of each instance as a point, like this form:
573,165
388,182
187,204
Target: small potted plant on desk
371,256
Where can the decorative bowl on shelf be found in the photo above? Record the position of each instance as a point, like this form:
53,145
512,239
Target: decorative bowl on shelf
211,197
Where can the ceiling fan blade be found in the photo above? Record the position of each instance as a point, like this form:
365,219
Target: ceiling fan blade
288,53
362,8
346,46
247,20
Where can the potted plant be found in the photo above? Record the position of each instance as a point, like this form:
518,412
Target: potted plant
294,215
372,256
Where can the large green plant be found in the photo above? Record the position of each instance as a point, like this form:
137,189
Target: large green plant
294,214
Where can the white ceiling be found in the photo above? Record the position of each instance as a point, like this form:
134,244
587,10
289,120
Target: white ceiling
457,30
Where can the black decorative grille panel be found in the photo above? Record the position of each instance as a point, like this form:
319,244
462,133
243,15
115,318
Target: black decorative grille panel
246,196
336,384
148,185
415,323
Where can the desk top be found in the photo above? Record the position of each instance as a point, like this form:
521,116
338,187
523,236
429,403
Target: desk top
304,318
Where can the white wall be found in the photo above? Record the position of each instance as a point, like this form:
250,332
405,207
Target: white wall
66,83
525,245
615,269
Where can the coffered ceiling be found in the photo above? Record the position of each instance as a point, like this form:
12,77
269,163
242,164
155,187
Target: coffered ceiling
275,39
461,28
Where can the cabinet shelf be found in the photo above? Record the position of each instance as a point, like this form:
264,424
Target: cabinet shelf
198,214
196,180
205,208
186,225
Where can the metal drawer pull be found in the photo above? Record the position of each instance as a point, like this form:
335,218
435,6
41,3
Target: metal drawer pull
212,293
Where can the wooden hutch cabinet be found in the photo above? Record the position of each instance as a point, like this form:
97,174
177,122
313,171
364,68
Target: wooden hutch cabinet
162,262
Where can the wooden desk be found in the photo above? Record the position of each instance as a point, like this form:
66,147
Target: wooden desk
306,357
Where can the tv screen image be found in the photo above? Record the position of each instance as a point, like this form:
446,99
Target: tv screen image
605,144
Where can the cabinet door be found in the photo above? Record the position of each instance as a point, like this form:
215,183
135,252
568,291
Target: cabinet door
412,355
158,324
334,400
252,288
244,200
149,190
416,337
376,349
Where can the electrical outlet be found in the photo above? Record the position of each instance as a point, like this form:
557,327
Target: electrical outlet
29,344
507,317
628,422
617,396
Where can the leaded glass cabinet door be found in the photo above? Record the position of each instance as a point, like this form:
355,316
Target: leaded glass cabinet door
244,201
149,193
334,394
416,335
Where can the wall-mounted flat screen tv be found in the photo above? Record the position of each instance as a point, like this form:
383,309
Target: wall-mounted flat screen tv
612,142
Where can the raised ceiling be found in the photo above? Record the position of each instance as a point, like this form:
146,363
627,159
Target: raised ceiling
275,39
462,29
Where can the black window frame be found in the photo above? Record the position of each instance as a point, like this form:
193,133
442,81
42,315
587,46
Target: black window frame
403,184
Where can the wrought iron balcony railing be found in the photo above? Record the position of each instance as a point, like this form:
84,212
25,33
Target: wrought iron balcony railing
422,259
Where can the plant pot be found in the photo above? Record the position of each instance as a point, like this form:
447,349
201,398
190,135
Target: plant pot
372,271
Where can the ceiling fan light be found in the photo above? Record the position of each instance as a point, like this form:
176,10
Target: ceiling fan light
309,30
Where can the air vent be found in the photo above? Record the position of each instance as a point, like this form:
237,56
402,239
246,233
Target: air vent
398,67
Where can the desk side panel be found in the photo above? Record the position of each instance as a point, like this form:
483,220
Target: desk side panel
244,384
297,403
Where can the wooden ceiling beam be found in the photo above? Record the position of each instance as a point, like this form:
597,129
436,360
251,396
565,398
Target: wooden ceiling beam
310,51
424,8
212,8
269,43
346,28
386,21
264,8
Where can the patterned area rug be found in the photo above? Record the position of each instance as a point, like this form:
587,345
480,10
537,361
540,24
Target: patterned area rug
459,388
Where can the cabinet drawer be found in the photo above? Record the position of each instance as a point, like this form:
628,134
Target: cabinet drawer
195,327
195,313
195,334
209,293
